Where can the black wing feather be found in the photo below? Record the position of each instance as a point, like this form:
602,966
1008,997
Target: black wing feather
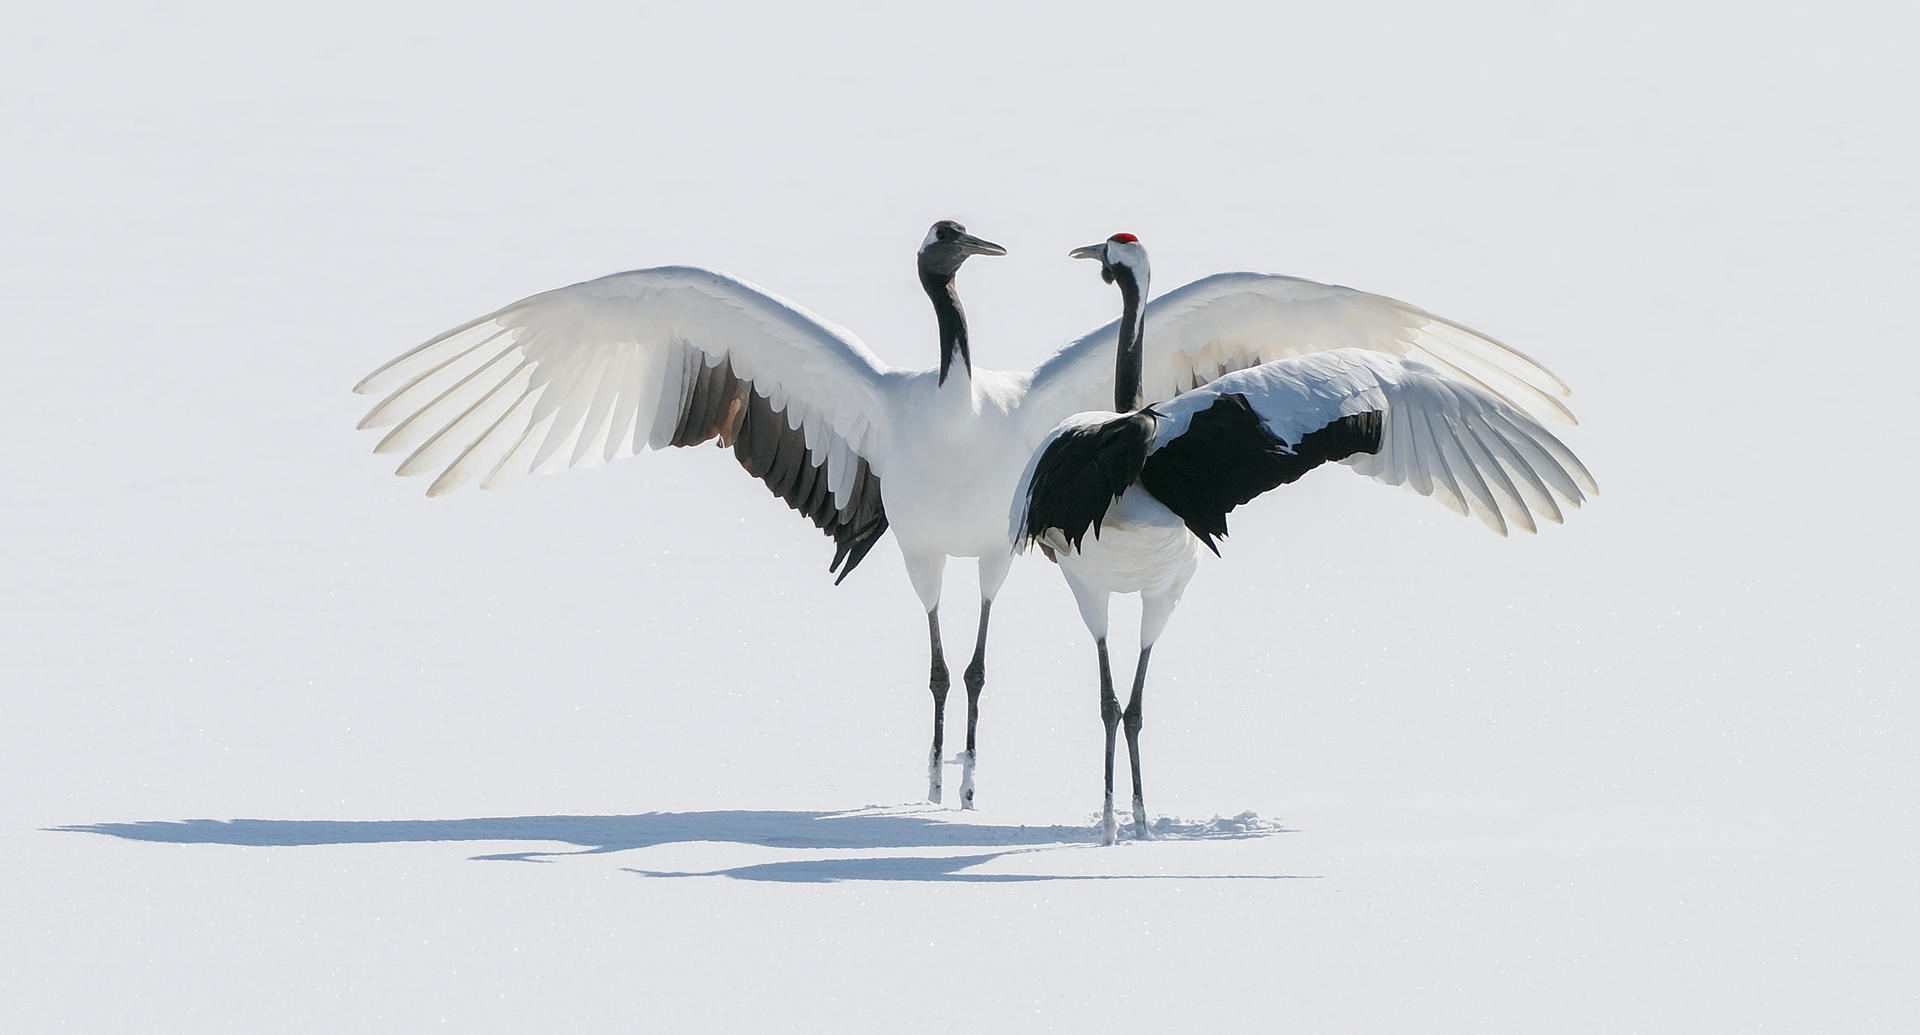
721,405
1083,471
1227,456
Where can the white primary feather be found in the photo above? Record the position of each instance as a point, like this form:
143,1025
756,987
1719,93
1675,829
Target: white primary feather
1231,321
585,374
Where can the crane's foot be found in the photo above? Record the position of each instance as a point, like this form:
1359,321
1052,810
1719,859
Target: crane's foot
933,777
1109,829
966,779
1142,831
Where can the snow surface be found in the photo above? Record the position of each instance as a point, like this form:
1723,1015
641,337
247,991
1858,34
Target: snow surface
290,747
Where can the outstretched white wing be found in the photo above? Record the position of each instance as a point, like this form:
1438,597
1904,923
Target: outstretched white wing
1401,422
1231,321
584,374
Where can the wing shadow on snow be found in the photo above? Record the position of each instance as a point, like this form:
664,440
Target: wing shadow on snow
923,869
865,829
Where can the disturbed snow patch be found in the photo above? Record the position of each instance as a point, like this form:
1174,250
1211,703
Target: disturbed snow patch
1219,828
966,827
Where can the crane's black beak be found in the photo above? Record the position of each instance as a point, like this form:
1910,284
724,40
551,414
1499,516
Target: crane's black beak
972,245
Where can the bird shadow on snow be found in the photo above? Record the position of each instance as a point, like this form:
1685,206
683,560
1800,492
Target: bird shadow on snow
929,869
866,829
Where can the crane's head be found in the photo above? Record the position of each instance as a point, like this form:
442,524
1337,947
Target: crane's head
1122,251
947,246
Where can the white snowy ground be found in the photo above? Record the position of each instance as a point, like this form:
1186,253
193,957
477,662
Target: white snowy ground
287,746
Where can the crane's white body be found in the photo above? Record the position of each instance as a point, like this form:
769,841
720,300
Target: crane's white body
1141,548
954,452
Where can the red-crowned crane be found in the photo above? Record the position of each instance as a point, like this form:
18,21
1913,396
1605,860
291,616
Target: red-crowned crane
676,356
1122,499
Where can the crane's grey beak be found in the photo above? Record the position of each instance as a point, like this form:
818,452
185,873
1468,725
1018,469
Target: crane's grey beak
975,246
1091,251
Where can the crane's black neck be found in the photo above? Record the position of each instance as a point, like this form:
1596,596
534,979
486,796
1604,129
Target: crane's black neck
1127,368
953,321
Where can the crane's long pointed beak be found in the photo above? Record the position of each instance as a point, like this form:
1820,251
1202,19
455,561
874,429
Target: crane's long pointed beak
976,246
1091,251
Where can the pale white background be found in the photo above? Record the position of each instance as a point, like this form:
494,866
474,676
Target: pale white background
354,759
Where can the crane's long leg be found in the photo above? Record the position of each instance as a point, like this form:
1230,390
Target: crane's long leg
938,683
1093,600
1155,611
1133,720
924,570
993,572
976,678
1110,715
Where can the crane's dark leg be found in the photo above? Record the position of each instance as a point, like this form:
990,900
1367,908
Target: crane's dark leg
976,677
993,572
936,682
1133,720
1110,715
